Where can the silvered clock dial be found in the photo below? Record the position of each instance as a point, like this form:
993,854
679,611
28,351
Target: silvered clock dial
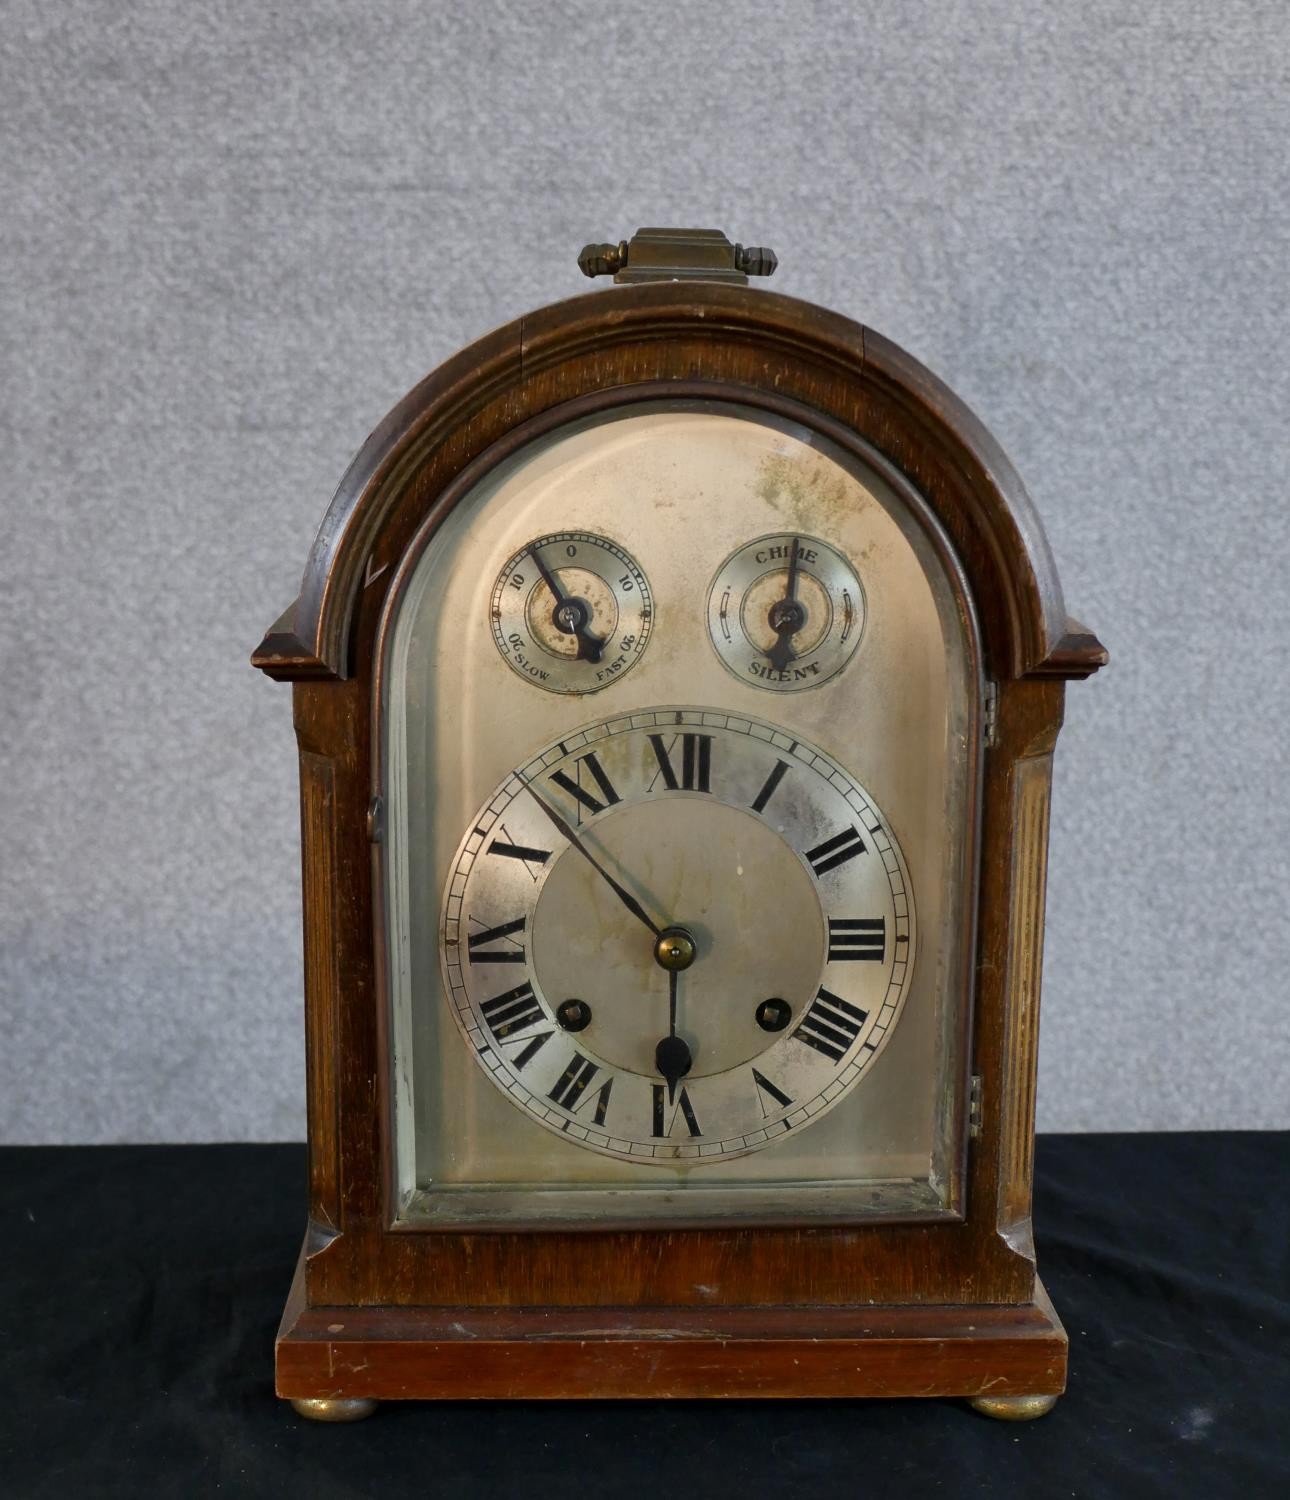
677,934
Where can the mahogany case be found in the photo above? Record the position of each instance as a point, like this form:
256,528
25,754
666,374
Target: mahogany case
379,1310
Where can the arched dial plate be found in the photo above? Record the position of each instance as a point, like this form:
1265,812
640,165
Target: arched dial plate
571,612
775,862
786,612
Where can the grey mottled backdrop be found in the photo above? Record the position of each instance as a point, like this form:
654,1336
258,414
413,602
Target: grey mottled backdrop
231,237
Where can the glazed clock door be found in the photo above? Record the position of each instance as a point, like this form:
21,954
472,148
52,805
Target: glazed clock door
678,735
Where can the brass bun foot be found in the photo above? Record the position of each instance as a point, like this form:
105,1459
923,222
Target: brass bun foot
1013,1408
334,1409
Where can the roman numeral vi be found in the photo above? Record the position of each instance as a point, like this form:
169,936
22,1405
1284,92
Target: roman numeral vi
662,1123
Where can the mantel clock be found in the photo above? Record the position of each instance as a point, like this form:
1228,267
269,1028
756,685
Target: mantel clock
677,673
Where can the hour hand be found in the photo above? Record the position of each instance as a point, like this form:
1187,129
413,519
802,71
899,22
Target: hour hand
672,1059
674,950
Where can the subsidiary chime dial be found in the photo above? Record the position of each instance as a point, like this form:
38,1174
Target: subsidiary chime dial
677,934
786,612
571,612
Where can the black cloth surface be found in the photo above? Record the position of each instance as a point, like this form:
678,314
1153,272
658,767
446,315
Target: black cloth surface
140,1288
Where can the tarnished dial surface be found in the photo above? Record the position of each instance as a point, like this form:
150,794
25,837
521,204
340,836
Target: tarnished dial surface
786,612
772,862
571,612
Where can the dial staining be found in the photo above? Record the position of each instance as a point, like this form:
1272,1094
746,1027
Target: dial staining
769,786
761,1067
571,612
835,851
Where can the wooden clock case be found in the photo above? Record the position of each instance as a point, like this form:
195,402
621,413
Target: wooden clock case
857,1309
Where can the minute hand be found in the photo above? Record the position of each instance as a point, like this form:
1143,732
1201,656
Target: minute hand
623,894
590,646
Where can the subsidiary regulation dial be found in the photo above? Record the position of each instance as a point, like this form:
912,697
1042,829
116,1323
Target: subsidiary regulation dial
786,612
571,612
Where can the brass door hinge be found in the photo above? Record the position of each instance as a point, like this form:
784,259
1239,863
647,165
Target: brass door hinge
990,715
